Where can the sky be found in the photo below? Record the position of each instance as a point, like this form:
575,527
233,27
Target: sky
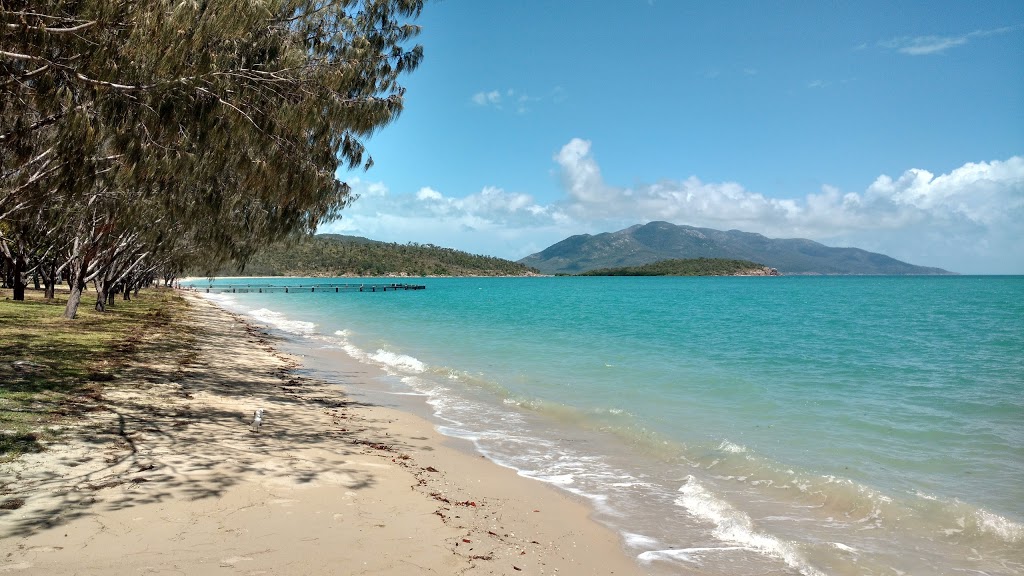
896,127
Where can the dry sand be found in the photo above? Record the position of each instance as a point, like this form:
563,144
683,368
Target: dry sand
168,478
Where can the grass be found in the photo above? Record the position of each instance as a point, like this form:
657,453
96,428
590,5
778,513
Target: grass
52,368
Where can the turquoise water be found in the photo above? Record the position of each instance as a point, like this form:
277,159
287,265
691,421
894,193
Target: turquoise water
814,425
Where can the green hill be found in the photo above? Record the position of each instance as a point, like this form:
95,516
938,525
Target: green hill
326,255
690,267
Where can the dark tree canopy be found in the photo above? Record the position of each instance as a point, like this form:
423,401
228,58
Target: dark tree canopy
159,134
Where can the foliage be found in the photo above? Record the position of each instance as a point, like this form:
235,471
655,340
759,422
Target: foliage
683,267
138,137
60,371
337,255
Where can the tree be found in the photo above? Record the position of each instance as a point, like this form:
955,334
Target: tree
137,123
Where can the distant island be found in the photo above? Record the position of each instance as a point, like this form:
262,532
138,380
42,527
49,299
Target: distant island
326,255
655,241
689,267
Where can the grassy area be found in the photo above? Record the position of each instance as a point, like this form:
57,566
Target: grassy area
52,368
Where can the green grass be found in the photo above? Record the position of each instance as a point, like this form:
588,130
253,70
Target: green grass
71,360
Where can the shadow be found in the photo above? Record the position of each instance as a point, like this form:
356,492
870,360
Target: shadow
27,443
52,368
175,424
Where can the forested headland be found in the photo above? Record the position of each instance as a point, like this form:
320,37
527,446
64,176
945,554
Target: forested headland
141,139
690,267
337,255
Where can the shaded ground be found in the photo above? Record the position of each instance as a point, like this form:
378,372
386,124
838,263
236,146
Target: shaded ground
53,370
171,420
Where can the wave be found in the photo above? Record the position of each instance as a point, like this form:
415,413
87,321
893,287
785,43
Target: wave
280,321
398,361
732,525
223,299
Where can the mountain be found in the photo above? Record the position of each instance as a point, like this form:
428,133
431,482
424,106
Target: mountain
337,255
647,243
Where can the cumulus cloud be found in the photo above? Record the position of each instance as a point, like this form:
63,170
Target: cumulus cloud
491,221
428,194
974,212
969,220
581,176
375,189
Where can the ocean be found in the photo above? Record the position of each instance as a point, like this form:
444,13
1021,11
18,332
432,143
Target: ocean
781,425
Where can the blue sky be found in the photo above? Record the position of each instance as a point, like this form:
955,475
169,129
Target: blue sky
891,126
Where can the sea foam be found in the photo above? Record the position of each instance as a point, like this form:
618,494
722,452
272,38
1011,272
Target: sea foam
734,526
398,361
281,322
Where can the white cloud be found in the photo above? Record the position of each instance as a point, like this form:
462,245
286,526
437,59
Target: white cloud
969,220
516,100
967,209
491,221
376,189
924,45
580,173
492,98
428,193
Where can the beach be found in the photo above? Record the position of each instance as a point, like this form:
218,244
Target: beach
167,476
740,426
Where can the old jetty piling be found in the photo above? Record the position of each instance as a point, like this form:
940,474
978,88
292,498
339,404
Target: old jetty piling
317,287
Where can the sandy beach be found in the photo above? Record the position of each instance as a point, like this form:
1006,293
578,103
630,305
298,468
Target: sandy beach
167,477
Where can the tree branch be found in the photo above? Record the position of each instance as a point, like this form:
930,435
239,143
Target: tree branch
44,28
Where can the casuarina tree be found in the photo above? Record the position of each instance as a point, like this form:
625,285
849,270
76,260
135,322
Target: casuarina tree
140,133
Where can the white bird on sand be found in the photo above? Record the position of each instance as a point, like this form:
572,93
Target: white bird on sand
257,420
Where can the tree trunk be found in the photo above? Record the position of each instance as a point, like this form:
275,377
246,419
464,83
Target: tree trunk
74,299
20,282
128,291
76,282
49,279
101,294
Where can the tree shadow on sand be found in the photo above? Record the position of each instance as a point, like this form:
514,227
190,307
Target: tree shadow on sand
172,431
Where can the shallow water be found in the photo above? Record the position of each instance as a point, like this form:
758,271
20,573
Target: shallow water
815,425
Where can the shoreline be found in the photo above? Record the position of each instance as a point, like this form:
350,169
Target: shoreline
386,276
169,477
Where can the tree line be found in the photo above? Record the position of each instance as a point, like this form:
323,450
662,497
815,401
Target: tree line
141,138
689,267
337,255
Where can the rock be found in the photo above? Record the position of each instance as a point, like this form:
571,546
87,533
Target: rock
762,271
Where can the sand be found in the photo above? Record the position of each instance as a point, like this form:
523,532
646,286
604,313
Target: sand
167,477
